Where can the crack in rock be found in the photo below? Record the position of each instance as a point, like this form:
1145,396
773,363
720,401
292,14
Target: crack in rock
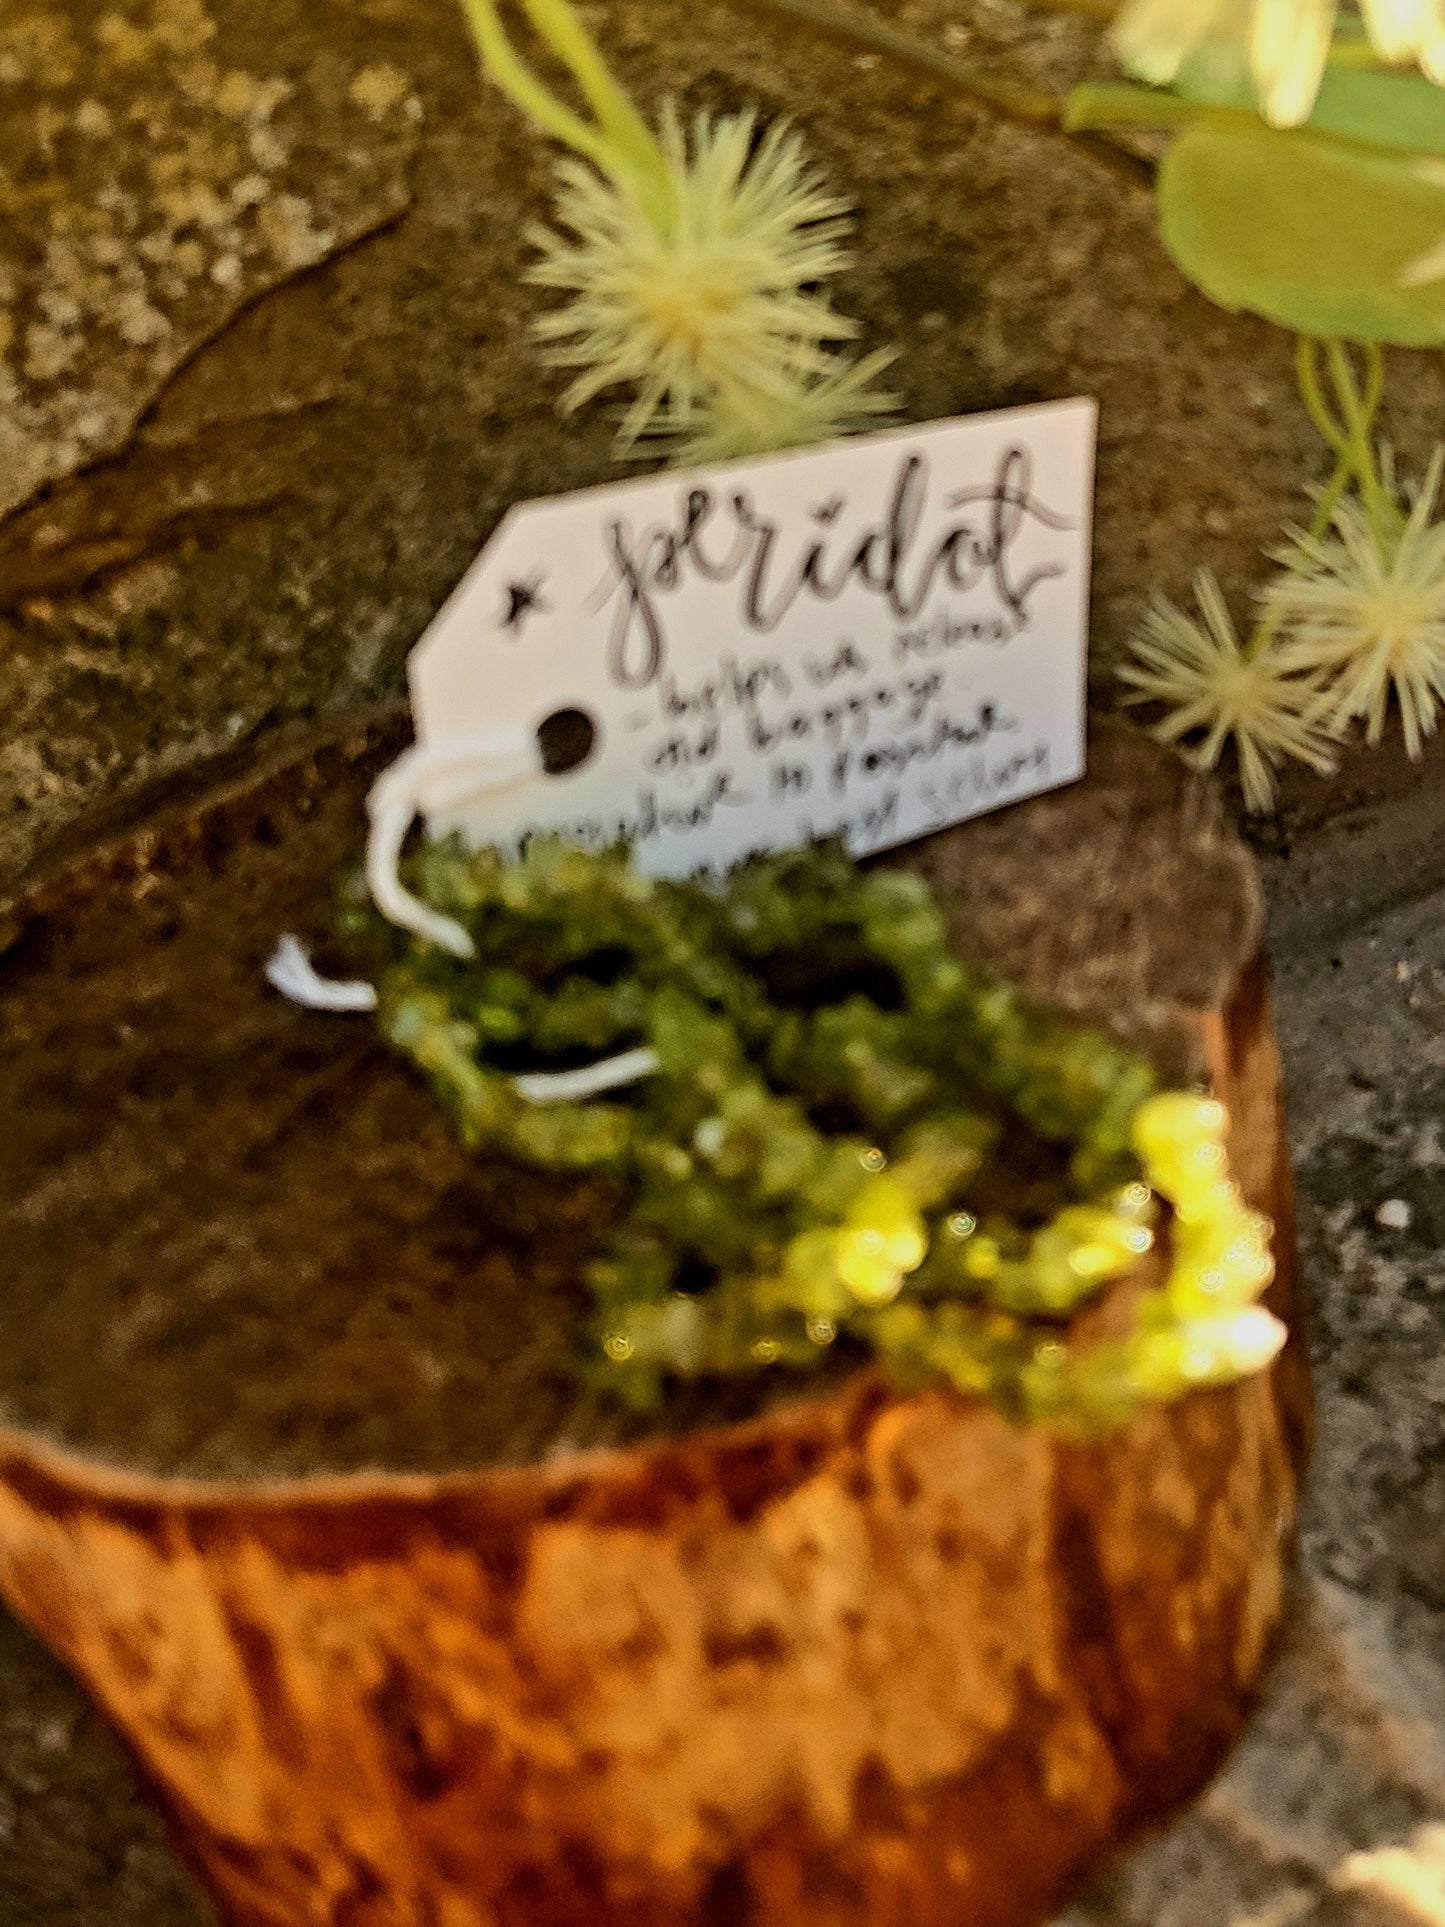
155,178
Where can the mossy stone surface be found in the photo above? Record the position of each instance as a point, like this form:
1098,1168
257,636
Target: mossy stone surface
267,381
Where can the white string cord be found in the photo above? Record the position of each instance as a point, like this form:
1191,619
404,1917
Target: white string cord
437,777
569,1087
292,972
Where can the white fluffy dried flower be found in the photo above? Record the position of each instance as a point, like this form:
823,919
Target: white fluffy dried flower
1365,607
1215,692
702,296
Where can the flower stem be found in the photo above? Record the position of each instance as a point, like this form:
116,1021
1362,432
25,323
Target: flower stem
619,143
1101,104
517,80
1347,428
1316,405
1359,412
1330,498
619,120
1018,101
1347,433
1034,106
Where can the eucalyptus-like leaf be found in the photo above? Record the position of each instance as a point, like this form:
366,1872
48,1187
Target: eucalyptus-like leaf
1318,235
1403,112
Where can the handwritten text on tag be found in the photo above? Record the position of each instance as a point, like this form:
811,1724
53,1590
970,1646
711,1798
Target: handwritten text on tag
872,640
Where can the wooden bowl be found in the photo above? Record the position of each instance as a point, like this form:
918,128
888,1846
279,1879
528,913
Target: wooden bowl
860,1658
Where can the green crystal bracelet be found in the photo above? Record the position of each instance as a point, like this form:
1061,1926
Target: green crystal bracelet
841,1133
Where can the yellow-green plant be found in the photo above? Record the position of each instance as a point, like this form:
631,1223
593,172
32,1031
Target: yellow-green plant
1303,180
1354,618
691,263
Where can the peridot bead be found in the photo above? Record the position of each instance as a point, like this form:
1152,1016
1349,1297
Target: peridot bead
808,1156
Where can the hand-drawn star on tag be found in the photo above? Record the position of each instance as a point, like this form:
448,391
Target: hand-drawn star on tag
523,599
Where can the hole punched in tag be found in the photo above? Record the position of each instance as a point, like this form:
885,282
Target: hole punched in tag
566,739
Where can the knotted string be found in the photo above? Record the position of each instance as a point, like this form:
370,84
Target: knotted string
438,777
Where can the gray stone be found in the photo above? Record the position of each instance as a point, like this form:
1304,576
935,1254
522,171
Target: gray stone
1348,1754
161,176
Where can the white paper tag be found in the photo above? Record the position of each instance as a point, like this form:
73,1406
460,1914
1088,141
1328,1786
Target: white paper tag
872,640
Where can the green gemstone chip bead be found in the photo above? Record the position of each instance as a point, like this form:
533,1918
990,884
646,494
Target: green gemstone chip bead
823,1152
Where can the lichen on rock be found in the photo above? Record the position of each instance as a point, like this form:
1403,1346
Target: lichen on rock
151,184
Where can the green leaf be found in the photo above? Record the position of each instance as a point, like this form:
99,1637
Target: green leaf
1385,110
1314,235
1399,111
